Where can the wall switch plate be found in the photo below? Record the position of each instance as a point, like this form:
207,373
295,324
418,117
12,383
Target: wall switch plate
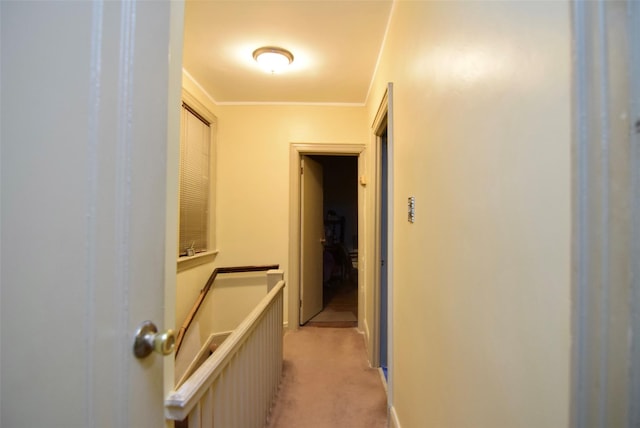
411,207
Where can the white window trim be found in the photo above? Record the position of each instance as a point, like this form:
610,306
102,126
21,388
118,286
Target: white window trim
185,262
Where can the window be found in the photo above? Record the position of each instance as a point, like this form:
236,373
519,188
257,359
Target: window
197,183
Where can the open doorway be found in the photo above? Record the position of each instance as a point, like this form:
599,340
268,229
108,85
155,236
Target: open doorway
339,273
298,299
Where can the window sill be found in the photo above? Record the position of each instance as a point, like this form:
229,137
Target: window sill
188,262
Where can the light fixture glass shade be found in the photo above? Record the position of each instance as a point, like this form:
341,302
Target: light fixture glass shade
273,60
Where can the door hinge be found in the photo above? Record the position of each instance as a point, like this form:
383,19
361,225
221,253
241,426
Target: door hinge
300,302
301,170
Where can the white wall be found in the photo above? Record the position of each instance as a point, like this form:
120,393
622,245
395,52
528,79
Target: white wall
482,279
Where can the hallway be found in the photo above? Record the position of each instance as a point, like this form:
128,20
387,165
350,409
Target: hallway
340,306
327,382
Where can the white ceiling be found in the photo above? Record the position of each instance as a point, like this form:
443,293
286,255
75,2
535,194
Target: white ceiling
335,44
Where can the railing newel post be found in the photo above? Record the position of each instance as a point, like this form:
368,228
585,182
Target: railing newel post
273,277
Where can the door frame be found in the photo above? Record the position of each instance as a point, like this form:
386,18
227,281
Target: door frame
296,151
176,32
605,383
382,120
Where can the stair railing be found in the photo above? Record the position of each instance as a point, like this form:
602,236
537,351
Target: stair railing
203,293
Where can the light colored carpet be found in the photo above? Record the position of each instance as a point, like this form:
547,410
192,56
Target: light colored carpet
327,382
331,316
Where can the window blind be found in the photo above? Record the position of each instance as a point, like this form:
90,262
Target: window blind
194,182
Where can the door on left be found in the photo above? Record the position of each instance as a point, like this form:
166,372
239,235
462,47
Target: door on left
89,139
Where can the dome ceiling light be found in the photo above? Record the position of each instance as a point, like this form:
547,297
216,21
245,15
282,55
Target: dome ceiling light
273,60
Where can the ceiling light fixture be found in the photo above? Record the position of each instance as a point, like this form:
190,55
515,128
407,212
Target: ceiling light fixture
272,59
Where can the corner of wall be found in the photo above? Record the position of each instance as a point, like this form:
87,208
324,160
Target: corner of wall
194,88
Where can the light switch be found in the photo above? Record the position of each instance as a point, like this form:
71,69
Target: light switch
411,208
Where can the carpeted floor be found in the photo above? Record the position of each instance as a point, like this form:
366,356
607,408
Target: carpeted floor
340,306
327,382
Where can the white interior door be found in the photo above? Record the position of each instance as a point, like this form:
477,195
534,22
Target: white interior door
84,197
312,236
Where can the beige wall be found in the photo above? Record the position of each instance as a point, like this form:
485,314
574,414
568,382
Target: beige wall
230,301
253,174
253,180
482,279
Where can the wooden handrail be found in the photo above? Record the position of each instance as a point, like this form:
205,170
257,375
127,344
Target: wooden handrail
203,293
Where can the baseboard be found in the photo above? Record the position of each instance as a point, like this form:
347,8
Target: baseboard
204,352
393,418
383,380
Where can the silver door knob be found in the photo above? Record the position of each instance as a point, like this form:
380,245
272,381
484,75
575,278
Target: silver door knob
148,339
